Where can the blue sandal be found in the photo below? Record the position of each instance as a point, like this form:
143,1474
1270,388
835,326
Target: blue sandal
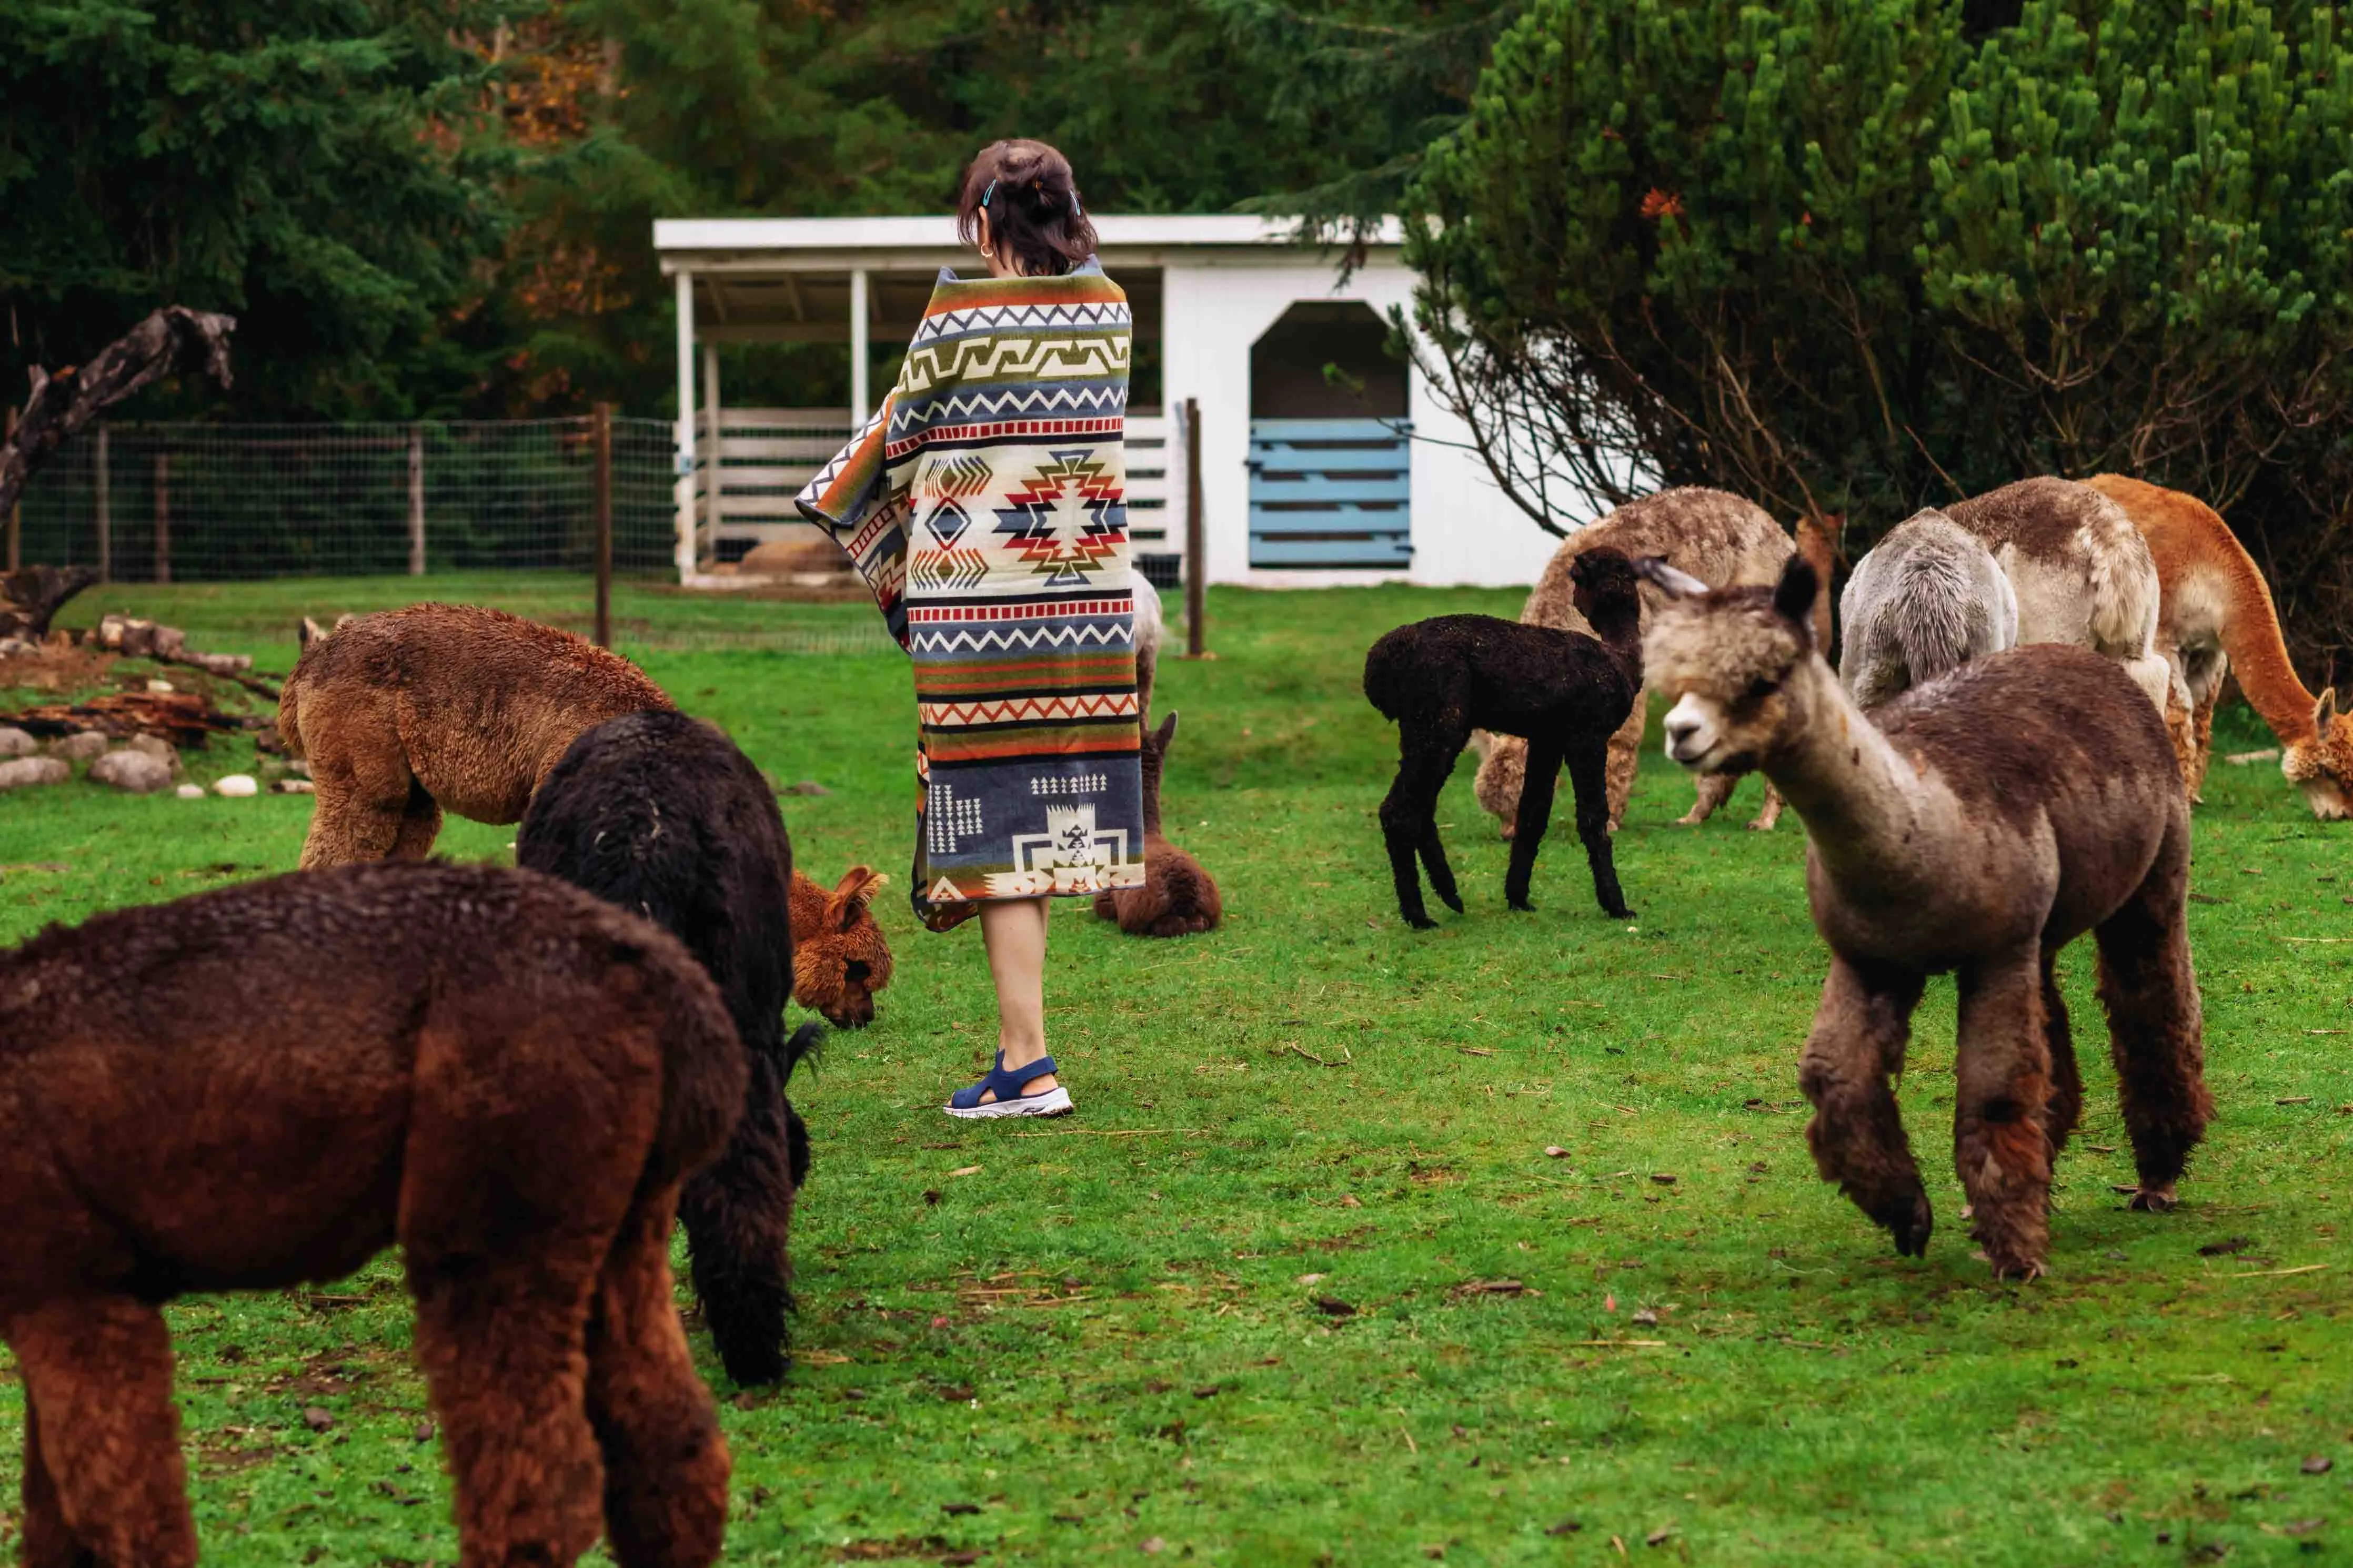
1010,1101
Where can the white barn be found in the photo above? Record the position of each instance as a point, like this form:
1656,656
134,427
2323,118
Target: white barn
1306,482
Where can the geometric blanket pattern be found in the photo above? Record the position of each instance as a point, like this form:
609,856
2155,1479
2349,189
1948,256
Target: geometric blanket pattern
985,504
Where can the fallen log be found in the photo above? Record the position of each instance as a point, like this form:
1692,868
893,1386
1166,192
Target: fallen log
183,717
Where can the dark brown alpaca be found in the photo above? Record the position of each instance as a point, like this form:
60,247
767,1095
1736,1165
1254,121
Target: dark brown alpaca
1178,898
1564,692
1978,824
436,708
407,713
498,1072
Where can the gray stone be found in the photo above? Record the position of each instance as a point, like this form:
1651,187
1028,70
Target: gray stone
133,772
24,771
83,746
14,742
160,749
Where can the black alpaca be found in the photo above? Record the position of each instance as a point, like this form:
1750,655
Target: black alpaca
662,815
1565,692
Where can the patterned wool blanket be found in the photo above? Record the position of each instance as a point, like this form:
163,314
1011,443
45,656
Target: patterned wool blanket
986,506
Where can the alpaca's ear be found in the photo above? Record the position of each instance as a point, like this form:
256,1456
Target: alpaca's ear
1674,585
308,632
2324,712
853,893
1166,733
1794,596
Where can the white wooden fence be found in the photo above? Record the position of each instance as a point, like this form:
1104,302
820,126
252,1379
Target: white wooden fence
748,470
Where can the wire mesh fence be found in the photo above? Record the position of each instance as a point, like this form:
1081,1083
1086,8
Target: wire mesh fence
192,503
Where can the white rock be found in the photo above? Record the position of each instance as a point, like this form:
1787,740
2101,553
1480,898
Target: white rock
293,787
133,772
79,747
191,791
237,785
14,742
23,771
162,688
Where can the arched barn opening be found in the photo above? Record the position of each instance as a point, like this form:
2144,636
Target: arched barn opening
1330,467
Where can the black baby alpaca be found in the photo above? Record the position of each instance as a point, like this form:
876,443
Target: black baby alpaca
662,815
1565,692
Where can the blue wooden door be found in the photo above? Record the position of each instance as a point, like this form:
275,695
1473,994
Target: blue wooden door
1331,492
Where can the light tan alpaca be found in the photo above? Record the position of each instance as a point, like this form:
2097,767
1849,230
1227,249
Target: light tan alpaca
1716,537
2217,617
439,707
1977,824
2084,576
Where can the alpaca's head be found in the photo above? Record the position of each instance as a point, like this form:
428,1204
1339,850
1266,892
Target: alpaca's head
840,957
2323,766
1725,658
1607,591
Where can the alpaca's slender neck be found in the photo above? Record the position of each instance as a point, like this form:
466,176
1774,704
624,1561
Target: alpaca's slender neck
2258,654
1149,764
1619,629
1860,799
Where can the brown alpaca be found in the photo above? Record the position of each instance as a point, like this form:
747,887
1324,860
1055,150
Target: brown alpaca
1977,824
436,708
499,1073
1717,538
2217,616
839,957
1178,898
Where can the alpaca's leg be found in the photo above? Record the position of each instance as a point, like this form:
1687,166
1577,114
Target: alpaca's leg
2065,1107
1589,776
2156,1034
1496,785
738,1213
359,807
2003,1073
1625,756
1857,1042
2181,724
2203,757
104,1437
1409,818
420,823
666,1466
1769,816
503,1338
48,1543
1709,791
1535,815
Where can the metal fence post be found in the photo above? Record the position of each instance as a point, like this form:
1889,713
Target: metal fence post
1196,549
416,501
604,428
103,508
163,516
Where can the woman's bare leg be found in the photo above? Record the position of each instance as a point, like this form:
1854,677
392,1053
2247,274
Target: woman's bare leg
1013,930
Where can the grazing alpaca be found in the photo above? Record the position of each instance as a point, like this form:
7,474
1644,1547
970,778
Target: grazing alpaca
439,707
2082,573
1178,898
662,815
1715,536
2217,616
503,1074
1564,693
1978,823
408,711
1929,597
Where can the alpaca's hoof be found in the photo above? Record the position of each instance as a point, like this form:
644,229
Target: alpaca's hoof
1621,913
1452,900
1522,905
1690,819
1504,832
1912,1230
1764,825
1421,922
2025,1270
2154,1200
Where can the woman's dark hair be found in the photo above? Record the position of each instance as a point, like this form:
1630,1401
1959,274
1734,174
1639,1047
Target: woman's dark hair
1034,217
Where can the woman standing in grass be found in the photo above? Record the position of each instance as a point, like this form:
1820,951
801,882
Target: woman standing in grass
986,506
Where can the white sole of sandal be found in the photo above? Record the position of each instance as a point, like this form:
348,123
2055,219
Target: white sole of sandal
1055,1101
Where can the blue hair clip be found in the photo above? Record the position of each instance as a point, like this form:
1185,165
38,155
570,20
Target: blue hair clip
988,193
1075,211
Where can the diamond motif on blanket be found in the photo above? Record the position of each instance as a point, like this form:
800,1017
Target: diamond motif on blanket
1067,518
947,522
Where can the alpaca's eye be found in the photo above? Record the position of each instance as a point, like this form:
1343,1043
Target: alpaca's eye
1758,689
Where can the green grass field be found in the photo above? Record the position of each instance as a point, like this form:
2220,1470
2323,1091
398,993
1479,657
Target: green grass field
1100,1336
